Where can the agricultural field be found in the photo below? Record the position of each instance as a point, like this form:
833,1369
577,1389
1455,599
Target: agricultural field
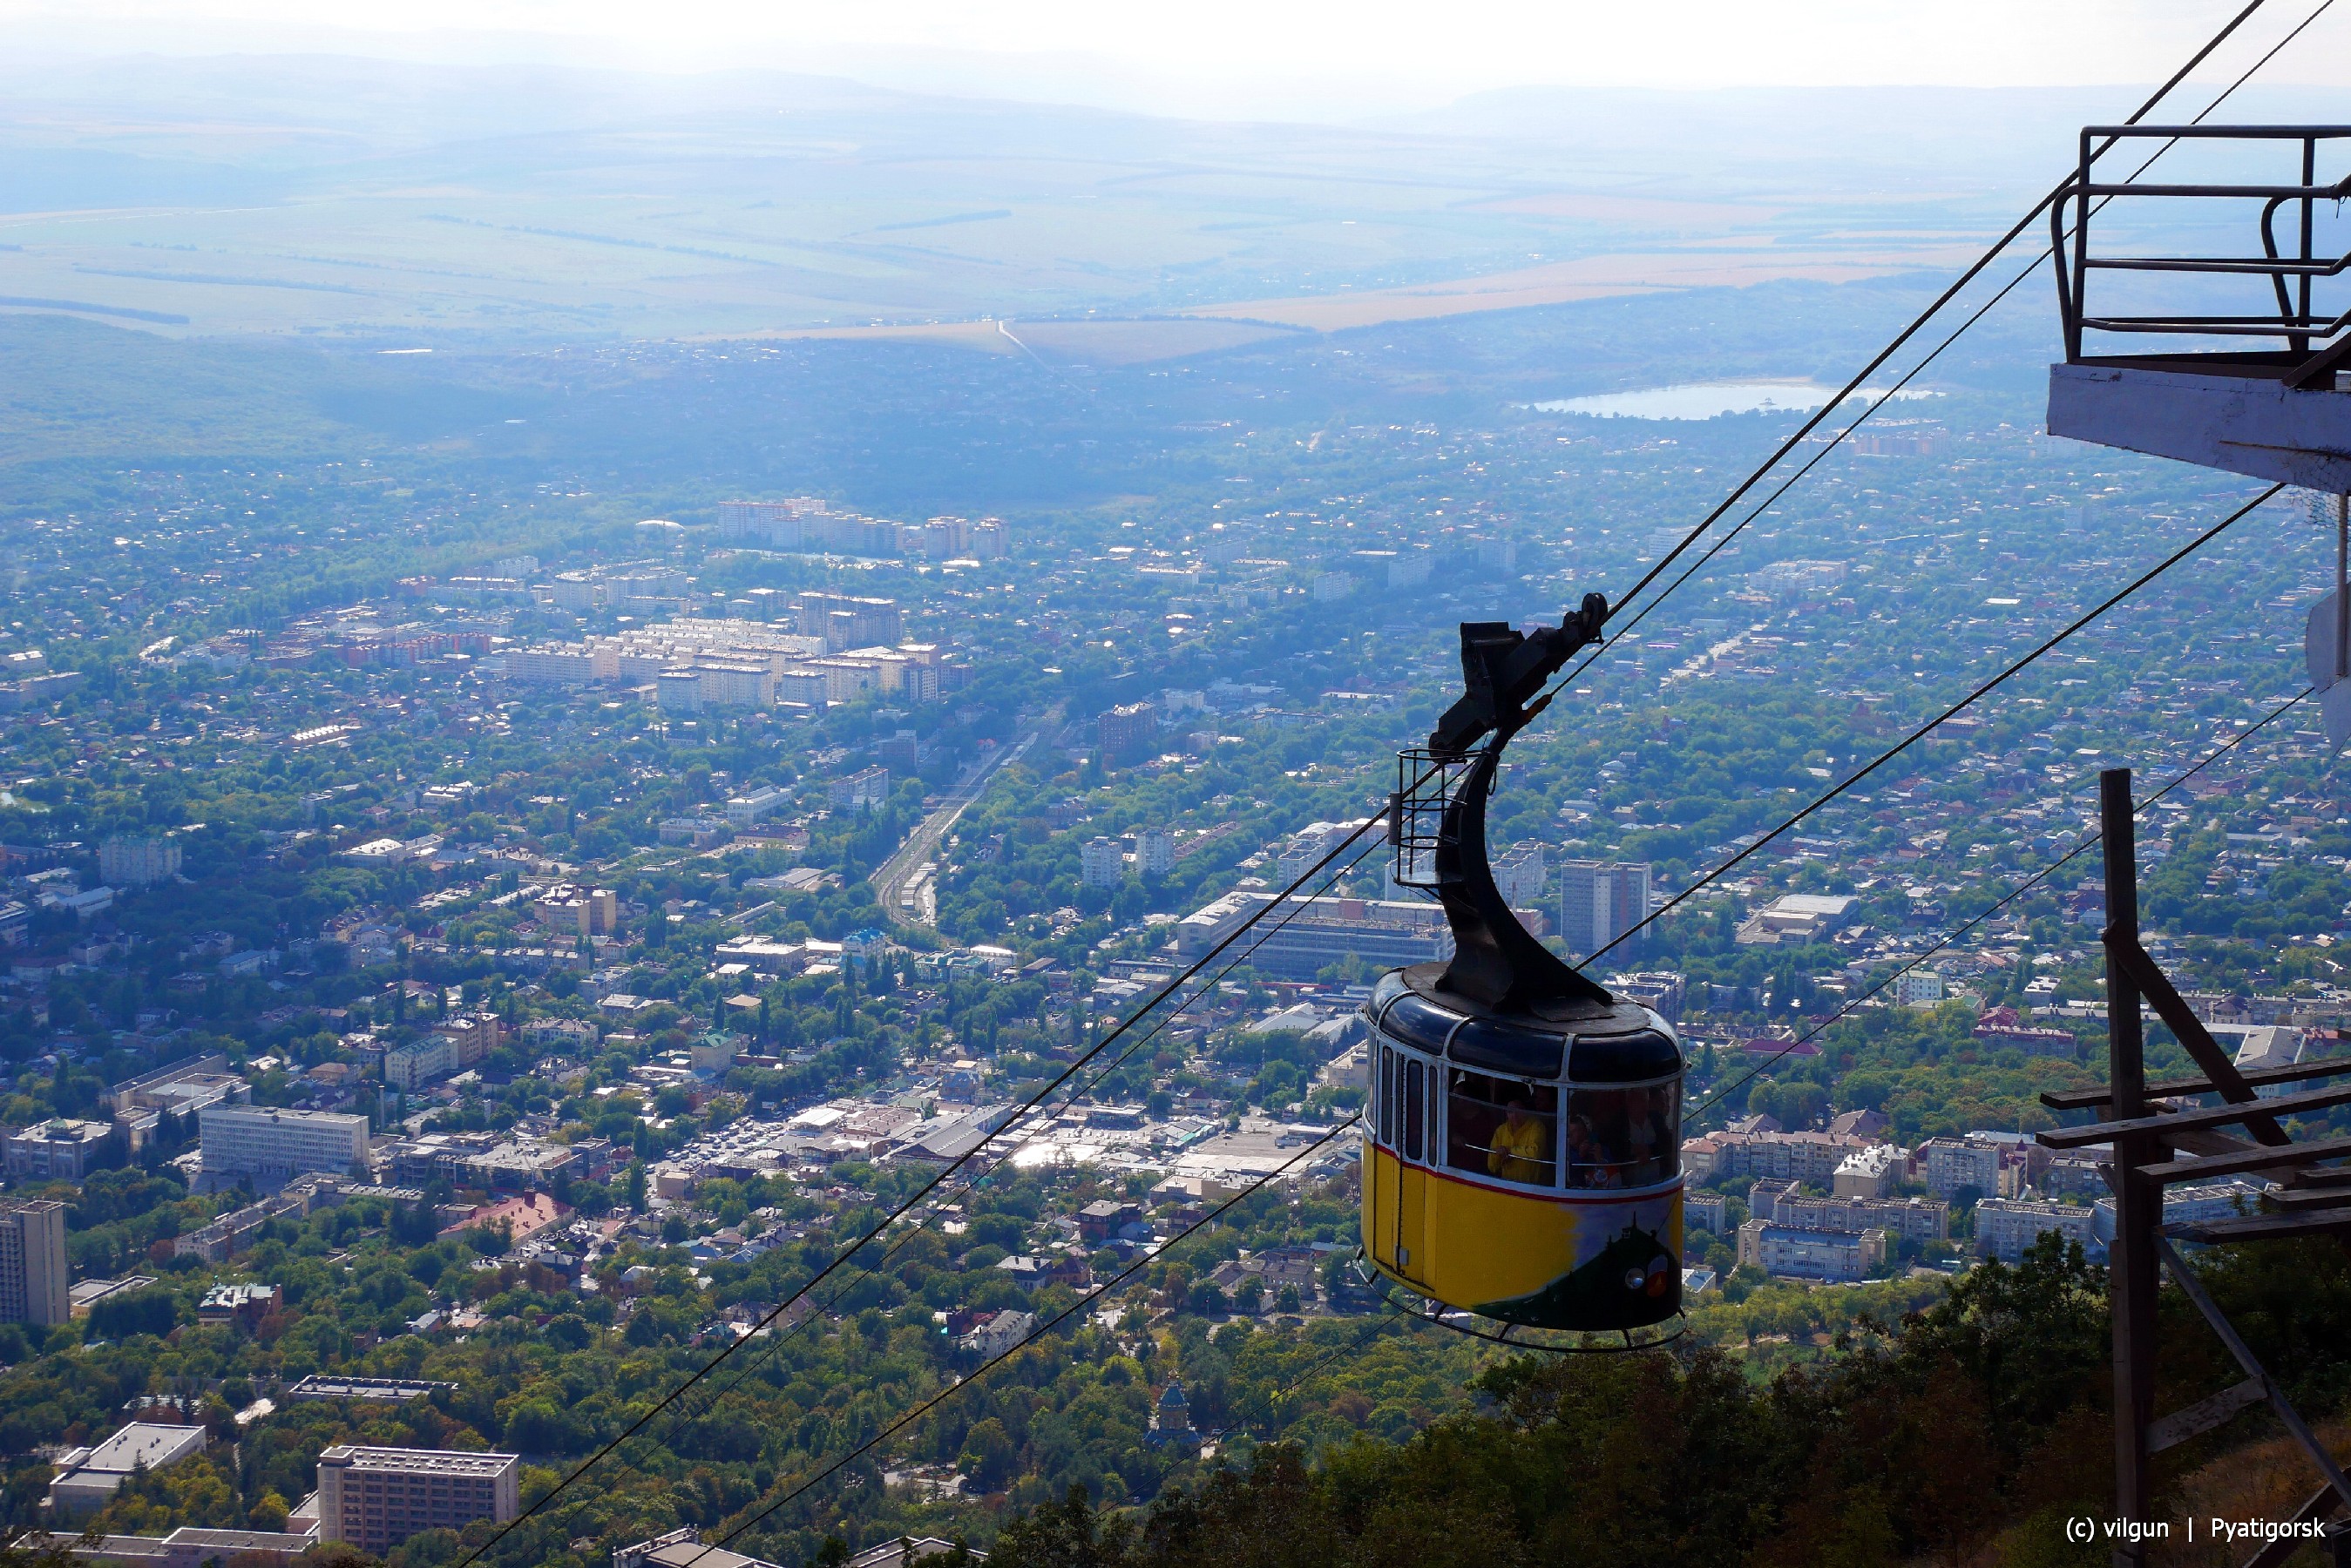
412,208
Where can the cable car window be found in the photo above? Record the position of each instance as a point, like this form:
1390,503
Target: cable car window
1387,1127
1633,1058
1507,1048
1622,1138
1501,1128
1416,1020
1416,1116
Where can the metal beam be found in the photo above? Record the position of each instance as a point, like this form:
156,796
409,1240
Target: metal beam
2196,1116
2173,1009
2253,426
2263,1226
2316,1507
2131,1274
2090,1099
2193,1288
2195,1420
2265,1159
2291,1198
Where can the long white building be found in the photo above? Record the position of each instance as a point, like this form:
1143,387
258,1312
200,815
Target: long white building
2005,1227
271,1144
1320,933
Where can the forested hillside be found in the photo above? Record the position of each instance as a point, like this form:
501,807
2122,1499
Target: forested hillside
1969,1433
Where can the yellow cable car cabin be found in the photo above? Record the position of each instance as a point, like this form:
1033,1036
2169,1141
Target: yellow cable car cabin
1522,1140
1525,1169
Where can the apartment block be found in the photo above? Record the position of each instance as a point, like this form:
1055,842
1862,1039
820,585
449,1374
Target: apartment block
34,1276
455,1044
1303,850
1519,873
237,1231
560,666
137,862
1129,731
1781,1203
1833,1255
270,1144
868,787
734,683
803,687
1953,1163
1660,990
2005,1227
778,524
847,621
1800,1156
1919,987
1703,1211
589,911
1101,862
375,1498
1870,1172
575,591
1600,901
1154,852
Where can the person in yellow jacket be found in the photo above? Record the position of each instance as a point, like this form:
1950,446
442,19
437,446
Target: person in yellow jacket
1522,1146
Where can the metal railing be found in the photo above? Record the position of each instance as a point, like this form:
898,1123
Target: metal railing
1418,823
2314,346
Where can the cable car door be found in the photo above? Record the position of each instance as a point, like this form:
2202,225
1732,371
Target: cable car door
1411,1182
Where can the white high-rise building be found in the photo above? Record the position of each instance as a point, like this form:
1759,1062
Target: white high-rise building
1520,874
1599,902
266,1142
1154,852
1919,987
1101,862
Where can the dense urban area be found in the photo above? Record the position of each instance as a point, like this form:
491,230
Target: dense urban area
475,952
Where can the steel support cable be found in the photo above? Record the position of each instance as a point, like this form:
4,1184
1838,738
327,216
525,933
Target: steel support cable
842,1256
1042,1327
1912,374
1979,313
1740,490
1974,270
1923,731
777,1339
1933,310
2013,894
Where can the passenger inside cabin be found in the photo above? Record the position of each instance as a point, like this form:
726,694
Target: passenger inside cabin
1622,1138
1650,1134
1581,1153
1501,1127
1522,1143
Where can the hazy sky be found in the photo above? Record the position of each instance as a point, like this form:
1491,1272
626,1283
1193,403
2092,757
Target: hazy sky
1243,55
